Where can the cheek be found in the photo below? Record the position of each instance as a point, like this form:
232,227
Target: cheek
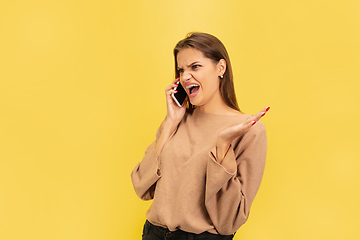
214,84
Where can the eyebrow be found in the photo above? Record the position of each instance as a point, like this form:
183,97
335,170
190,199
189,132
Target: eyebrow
190,64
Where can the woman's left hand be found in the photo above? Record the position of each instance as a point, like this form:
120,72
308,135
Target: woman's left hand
228,135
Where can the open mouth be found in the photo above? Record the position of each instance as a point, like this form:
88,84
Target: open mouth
192,89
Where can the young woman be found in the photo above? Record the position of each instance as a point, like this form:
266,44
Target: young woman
205,166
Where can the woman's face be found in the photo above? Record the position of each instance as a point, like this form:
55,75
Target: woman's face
199,76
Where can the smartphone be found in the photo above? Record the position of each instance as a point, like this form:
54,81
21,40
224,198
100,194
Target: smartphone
180,96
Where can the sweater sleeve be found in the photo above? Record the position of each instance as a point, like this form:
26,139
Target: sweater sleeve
147,172
231,186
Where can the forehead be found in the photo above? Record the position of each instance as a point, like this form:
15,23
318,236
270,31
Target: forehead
187,56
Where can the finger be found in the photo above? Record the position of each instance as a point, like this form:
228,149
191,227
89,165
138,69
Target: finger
171,91
253,118
246,127
250,121
263,112
171,87
174,83
242,128
257,117
260,114
176,80
265,109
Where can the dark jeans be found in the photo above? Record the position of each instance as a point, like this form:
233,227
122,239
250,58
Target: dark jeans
152,232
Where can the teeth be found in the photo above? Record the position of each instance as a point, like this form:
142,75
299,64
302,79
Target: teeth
192,85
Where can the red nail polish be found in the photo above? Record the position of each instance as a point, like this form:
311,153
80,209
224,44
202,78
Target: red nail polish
177,78
263,114
176,91
253,123
267,109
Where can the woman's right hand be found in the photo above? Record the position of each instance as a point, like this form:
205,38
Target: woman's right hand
173,117
174,112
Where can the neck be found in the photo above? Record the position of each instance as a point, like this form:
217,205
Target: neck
217,106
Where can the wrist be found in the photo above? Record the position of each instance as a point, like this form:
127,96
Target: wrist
221,143
170,124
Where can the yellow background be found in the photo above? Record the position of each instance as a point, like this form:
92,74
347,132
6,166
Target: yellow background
82,94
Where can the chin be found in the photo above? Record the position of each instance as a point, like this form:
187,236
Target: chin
194,102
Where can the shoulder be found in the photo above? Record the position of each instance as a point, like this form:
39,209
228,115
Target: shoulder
255,135
259,126
256,131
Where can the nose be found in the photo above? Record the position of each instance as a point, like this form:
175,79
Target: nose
185,76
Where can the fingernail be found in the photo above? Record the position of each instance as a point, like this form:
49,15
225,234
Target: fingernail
267,109
177,78
253,123
177,83
176,91
263,114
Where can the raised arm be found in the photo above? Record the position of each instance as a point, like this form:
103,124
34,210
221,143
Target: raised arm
233,181
148,171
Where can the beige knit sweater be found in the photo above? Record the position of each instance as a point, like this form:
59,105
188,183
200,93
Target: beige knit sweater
191,191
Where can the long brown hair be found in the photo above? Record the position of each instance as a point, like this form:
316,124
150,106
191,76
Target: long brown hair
213,49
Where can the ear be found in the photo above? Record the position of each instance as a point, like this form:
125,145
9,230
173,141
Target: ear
221,66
